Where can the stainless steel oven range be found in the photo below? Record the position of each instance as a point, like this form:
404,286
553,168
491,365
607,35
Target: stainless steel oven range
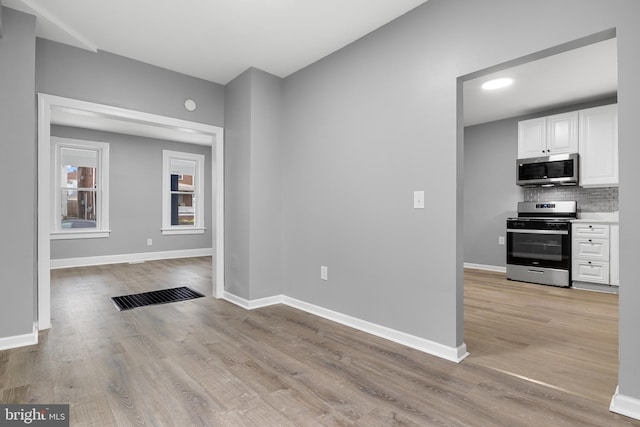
539,243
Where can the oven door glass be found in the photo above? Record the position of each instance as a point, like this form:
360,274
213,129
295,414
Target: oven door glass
538,248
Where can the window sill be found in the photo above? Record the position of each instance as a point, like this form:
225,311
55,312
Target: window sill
186,230
65,235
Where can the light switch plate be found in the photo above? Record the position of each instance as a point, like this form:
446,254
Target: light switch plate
418,199
324,272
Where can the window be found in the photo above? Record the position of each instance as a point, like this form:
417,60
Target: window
81,189
182,193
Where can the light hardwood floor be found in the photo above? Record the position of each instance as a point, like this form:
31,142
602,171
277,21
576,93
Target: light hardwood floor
539,356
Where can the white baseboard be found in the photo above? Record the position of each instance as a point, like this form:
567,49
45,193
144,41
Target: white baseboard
253,304
19,340
625,405
495,268
132,258
449,353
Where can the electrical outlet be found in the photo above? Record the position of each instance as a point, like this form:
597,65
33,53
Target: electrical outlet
149,242
501,240
324,272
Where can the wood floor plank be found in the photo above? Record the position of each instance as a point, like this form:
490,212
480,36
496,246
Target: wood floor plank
559,336
539,356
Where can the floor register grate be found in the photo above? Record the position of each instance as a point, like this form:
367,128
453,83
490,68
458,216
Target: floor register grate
163,296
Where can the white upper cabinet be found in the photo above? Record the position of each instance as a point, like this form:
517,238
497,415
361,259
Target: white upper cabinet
532,138
592,132
599,146
545,136
562,133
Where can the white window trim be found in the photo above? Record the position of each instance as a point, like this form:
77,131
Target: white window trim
198,228
102,230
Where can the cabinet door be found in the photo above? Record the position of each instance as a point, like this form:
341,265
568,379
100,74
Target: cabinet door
590,271
599,146
590,230
591,249
532,135
562,133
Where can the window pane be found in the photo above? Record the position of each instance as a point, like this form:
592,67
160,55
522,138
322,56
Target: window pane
182,191
81,164
182,209
185,171
78,177
78,209
185,183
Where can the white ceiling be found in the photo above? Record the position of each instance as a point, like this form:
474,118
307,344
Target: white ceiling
580,75
213,39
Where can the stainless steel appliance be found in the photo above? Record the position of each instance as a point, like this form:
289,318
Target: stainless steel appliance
548,171
539,243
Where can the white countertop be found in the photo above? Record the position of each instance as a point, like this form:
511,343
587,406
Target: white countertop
597,217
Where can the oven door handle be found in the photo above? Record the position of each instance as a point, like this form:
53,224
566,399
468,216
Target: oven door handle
557,232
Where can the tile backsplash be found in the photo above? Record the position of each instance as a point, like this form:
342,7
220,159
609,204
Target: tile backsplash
589,199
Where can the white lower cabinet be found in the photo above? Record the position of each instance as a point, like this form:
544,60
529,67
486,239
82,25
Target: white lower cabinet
594,252
591,249
591,271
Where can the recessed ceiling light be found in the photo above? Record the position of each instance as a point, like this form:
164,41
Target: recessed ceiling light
497,83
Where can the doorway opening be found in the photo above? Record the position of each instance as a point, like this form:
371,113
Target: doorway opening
534,332
73,112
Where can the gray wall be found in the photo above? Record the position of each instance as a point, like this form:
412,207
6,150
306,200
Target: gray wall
110,79
378,119
253,202
266,184
17,166
1,20
364,128
628,131
237,181
490,191
135,198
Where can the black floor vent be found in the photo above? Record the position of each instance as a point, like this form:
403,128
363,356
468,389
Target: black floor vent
164,296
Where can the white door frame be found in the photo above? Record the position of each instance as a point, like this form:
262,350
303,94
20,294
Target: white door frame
209,135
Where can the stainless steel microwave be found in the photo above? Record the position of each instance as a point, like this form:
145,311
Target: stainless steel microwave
548,171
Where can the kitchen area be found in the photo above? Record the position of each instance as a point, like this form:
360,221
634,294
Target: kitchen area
541,231
541,184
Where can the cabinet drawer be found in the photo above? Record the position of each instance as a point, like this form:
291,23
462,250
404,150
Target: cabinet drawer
591,249
591,230
590,271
